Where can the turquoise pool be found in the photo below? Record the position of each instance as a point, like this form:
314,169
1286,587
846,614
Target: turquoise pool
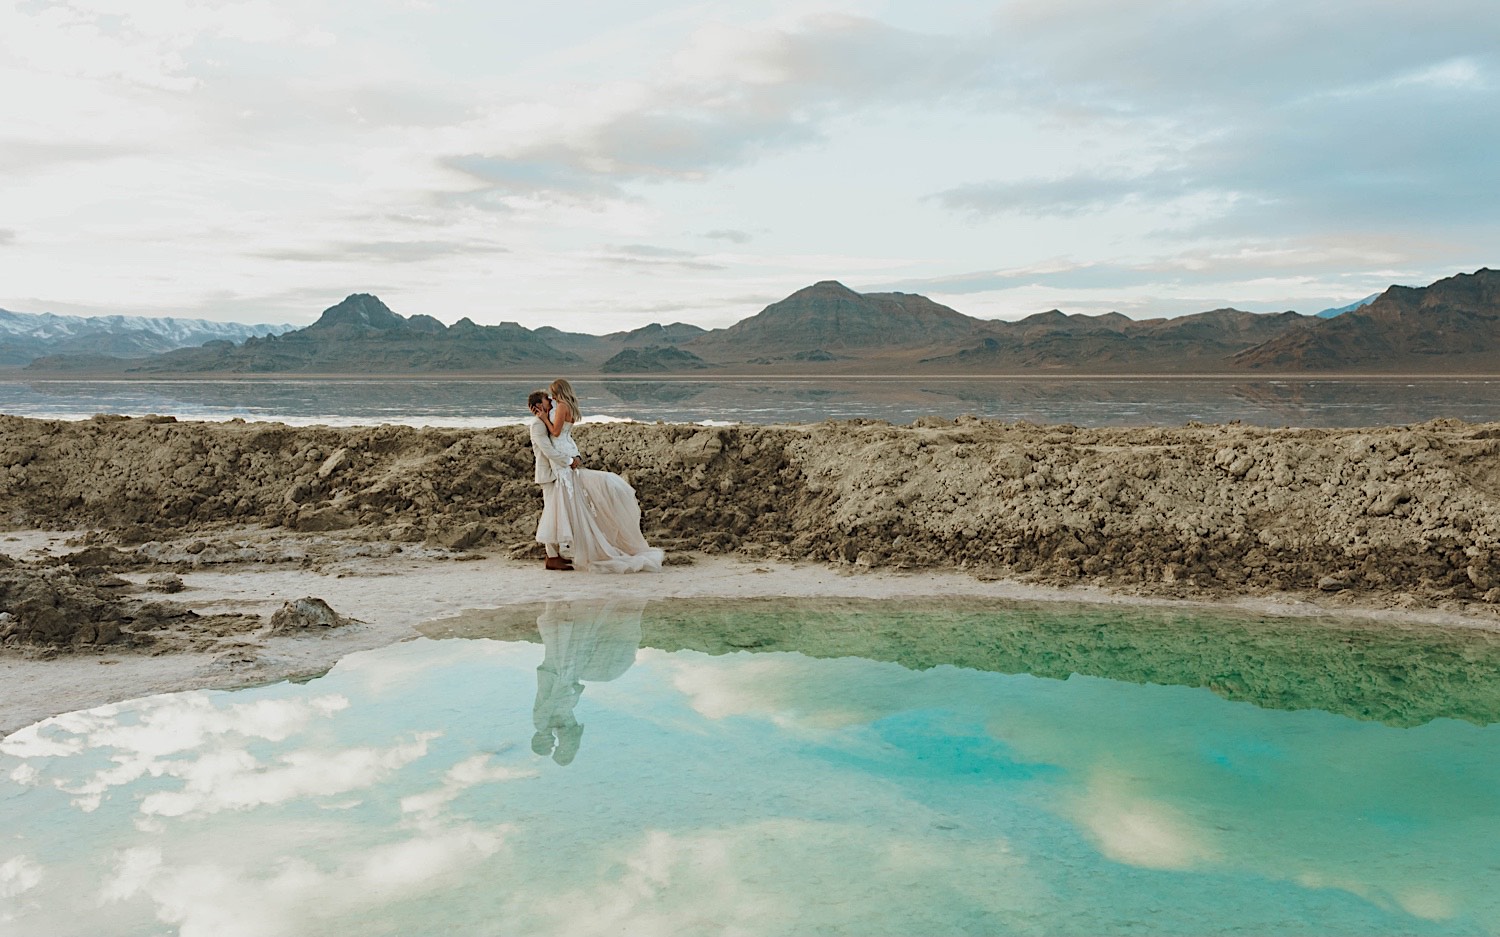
760,767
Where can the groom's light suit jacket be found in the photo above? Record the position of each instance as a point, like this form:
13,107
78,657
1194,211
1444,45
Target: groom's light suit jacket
548,460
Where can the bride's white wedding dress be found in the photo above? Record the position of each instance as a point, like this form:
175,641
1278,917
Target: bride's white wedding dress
597,512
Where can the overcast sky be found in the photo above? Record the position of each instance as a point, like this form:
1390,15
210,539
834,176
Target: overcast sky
603,165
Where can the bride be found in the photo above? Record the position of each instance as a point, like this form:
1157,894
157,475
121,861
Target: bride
595,511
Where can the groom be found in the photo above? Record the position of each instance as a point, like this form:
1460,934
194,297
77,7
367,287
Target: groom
548,463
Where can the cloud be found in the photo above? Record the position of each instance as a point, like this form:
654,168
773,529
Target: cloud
729,234
7,236
1361,262
157,139
472,771
17,875
650,251
1161,56
168,725
1256,120
235,780
746,303
648,256
18,157
1072,195
1416,152
773,875
1140,831
221,899
382,251
727,97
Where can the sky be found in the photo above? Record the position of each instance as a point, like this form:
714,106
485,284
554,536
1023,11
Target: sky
599,166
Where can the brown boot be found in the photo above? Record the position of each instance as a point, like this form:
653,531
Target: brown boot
558,563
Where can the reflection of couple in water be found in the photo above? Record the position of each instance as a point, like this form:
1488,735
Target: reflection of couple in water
595,512
592,640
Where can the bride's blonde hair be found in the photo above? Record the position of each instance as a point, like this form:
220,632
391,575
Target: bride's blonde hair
562,390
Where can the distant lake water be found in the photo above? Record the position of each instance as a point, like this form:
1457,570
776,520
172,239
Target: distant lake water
473,403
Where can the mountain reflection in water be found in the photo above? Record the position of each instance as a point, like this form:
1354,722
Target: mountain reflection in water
1369,671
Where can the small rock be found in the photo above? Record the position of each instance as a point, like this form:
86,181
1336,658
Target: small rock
698,449
1333,583
1386,502
317,520
166,582
304,614
1479,578
526,550
333,463
409,533
237,656
98,557
135,534
462,538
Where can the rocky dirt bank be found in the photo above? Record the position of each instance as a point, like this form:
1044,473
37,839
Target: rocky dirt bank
1406,516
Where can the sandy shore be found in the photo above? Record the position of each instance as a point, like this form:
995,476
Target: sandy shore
396,525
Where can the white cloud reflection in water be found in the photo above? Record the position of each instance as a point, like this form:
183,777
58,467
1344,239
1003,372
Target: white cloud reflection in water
743,793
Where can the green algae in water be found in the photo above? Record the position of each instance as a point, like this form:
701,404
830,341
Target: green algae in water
756,767
1399,675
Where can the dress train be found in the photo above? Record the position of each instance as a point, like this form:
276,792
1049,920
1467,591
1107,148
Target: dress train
597,512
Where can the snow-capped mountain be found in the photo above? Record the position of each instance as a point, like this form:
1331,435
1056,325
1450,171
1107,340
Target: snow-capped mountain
27,336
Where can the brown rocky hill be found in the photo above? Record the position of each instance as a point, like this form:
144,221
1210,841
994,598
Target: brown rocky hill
596,349
652,359
1114,343
1451,326
829,317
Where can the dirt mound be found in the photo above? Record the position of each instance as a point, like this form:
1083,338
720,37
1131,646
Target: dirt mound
57,607
306,614
1405,510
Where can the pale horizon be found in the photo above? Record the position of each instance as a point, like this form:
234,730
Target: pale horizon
257,160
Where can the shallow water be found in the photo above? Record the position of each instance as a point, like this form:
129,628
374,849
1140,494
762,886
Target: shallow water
834,766
1083,402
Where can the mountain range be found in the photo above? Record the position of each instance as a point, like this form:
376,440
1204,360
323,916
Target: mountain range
827,329
1452,325
25,336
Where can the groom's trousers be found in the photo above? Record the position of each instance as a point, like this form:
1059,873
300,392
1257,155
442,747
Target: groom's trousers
549,491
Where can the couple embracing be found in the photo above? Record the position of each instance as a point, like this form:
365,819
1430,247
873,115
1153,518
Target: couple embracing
594,512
